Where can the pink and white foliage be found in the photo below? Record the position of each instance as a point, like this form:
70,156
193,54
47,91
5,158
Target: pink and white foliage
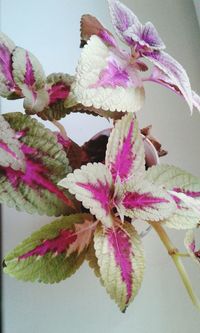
190,244
22,76
8,87
131,31
29,76
121,262
104,78
54,252
184,189
118,185
68,241
116,72
125,151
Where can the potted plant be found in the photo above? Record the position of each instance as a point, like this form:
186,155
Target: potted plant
96,191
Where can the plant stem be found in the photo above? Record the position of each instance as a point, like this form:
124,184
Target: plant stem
61,128
173,252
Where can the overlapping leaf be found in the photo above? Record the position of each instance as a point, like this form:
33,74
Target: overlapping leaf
35,189
122,18
143,200
11,154
8,87
121,262
52,253
145,41
103,80
184,189
30,77
92,186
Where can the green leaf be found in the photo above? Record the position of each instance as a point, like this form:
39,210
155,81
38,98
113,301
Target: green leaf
183,187
54,252
11,154
121,262
35,190
93,261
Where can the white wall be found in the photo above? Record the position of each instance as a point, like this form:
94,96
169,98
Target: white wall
50,29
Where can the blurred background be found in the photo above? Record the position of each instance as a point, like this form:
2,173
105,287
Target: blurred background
50,30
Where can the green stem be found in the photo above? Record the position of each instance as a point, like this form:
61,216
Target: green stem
173,252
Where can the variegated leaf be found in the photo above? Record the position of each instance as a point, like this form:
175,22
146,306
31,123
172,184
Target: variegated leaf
11,154
177,76
181,185
196,100
125,150
61,100
121,262
54,252
190,245
29,76
142,200
93,261
161,77
8,87
105,81
123,18
35,189
92,186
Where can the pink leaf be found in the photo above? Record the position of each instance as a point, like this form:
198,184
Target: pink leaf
35,176
121,246
100,192
29,77
6,66
113,76
176,74
58,92
140,201
125,157
122,19
56,245
125,150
